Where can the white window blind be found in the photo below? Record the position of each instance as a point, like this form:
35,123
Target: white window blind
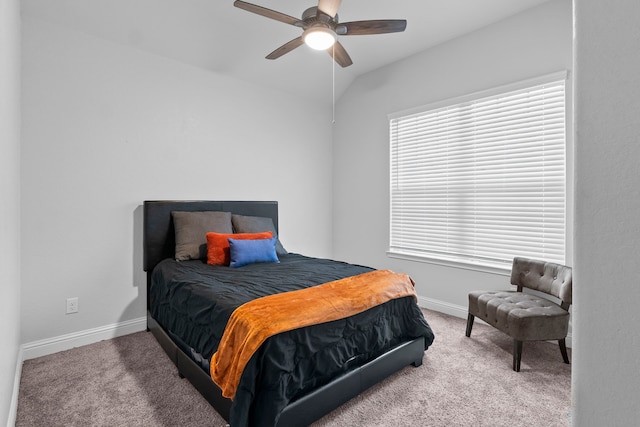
483,180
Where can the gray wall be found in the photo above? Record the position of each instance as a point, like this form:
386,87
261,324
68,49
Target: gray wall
606,369
10,202
533,43
106,127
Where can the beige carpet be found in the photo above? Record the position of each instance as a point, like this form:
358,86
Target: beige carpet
128,381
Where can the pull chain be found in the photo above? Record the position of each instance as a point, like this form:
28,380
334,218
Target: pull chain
333,84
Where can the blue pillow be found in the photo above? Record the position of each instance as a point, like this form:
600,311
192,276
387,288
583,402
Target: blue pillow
245,252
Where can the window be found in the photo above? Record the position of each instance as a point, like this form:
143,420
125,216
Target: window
481,179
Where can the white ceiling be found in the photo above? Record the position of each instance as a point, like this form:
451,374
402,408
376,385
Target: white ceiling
215,35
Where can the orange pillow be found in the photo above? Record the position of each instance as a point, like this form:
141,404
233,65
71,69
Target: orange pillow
218,252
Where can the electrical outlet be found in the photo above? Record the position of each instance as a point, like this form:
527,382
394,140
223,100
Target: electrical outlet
72,305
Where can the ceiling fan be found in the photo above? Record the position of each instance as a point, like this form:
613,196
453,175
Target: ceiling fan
321,28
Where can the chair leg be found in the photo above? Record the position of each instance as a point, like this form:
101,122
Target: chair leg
470,318
517,355
563,350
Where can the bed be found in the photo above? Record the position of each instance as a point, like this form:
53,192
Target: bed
296,376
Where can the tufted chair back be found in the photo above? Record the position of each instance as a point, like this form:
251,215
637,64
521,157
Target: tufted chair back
547,277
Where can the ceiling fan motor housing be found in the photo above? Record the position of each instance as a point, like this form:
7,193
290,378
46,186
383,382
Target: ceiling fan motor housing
311,14
319,29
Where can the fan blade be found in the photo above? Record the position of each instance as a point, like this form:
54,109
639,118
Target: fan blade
329,7
263,11
286,48
382,26
340,55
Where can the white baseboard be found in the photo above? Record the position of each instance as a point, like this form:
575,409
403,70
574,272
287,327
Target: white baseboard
443,307
459,311
66,342
77,339
13,408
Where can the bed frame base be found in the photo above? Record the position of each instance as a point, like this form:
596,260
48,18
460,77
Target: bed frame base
320,402
314,405
190,370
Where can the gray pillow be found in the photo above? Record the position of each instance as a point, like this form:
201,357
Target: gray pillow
256,224
191,231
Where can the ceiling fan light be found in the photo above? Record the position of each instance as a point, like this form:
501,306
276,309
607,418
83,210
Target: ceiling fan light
319,38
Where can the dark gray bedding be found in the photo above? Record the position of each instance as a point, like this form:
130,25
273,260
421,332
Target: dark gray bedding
193,301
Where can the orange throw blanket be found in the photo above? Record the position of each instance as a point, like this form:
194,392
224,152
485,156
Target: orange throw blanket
252,323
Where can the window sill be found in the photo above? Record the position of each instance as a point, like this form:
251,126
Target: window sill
502,270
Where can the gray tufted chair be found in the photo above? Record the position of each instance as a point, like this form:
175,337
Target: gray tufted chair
523,316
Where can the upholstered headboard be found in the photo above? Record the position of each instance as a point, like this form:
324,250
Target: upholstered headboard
158,230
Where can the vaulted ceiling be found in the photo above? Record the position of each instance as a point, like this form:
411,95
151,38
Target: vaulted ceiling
215,35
